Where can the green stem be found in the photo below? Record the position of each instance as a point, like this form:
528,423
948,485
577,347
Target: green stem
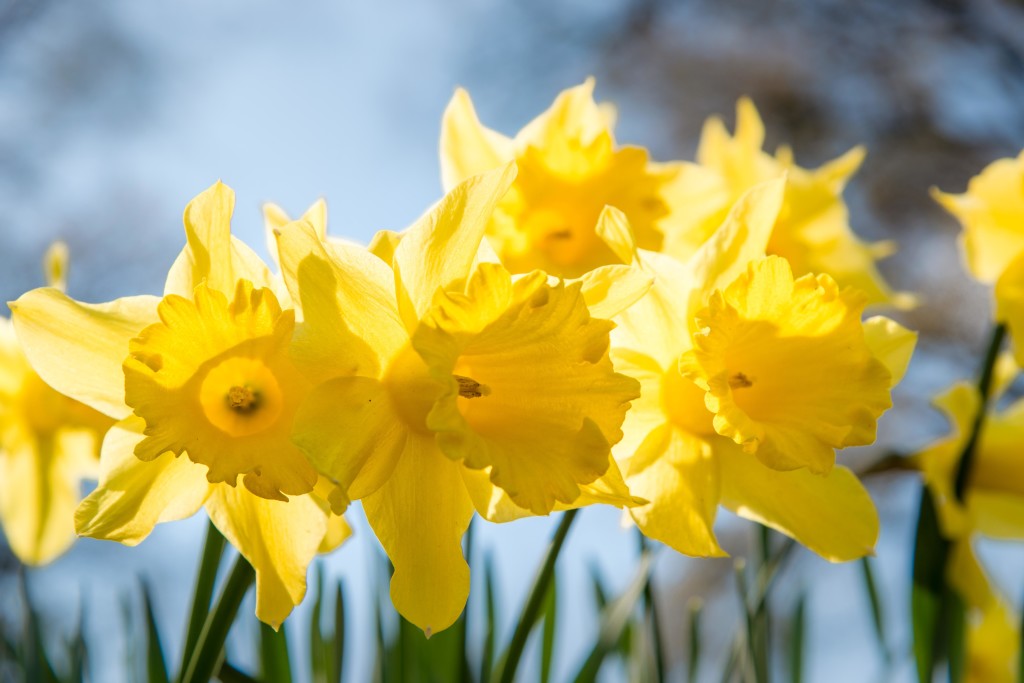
531,610
213,549
963,471
203,659
651,613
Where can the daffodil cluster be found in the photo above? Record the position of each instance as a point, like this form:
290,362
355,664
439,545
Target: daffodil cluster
571,324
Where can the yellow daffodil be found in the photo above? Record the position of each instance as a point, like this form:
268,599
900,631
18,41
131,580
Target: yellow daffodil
777,371
993,645
204,392
993,503
812,230
992,215
992,241
447,383
48,444
569,170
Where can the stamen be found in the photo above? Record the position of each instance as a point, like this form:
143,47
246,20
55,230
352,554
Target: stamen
242,399
740,381
470,388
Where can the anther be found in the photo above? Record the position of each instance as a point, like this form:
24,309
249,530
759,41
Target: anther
740,381
470,388
242,399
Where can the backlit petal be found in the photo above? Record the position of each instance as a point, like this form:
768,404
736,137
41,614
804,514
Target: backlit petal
419,516
78,348
467,147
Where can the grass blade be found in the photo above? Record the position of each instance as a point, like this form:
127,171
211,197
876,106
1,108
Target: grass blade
274,662
695,606
531,610
337,658
797,639
548,634
156,664
204,658
491,614
209,563
877,616
614,620
317,646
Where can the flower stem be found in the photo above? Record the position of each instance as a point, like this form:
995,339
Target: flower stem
963,471
213,549
541,584
203,658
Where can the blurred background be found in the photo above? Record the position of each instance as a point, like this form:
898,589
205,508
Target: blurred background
114,114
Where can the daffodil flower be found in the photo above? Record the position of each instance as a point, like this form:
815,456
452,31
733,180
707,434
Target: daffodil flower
992,242
812,230
749,379
448,384
204,393
569,169
48,444
993,645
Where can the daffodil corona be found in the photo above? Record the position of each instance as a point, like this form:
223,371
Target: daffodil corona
204,391
750,378
447,383
569,169
812,230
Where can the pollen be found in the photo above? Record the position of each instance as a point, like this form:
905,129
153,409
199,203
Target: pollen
242,399
740,381
470,388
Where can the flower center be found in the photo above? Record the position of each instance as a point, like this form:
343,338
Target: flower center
413,390
240,396
470,388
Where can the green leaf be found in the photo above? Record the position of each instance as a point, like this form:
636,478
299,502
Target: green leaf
931,551
955,634
597,583
797,639
337,653
317,646
695,607
77,648
209,563
156,664
548,634
35,662
274,662
491,614
204,658
657,654
229,674
531,609
871,586
614,620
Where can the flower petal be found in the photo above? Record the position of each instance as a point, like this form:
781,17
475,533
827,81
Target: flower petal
467,147
346,295
676,473
348,429
78,348
133,496
891,343
278,538
609,290
212,254
832,514
420,515
439,249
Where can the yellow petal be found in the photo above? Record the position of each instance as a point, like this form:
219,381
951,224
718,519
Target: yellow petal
891,343
419,516
609,290
787,369
441,246
38,495
214,379
78,348
338,531
133,496
658,325
537,358
993,646
991,212
676,473
832,514
55,263
212,254
997,514
275,218
278,538
613,227
467,147
742,238
348,428
574,118
383,245
966,575
347,298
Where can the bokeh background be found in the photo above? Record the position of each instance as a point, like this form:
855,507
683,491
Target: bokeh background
114,113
